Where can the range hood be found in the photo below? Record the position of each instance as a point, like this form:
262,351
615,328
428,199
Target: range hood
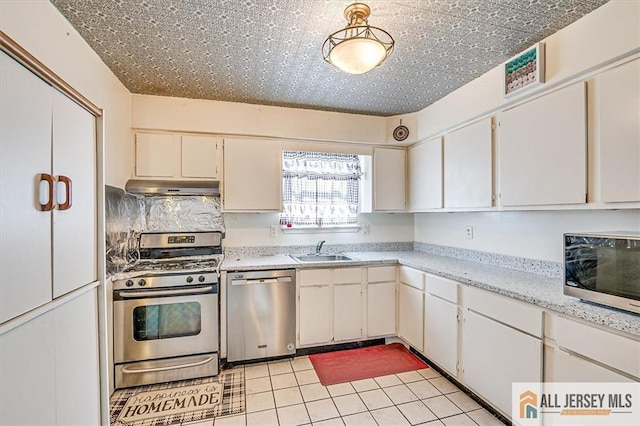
172,187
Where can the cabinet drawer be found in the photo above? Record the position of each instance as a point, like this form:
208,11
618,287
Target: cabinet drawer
412,277
610,349
382,274
442,287
347,275
514,313
316,277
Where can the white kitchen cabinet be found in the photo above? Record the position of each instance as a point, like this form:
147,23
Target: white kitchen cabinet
468,166
52,359
316,315
425,175
441,322
44,132
494,356
562,366
252,175
347,304
381,301
389,179
411,307
542,148
618,127
174,156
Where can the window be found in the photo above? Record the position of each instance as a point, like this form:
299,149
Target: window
320,189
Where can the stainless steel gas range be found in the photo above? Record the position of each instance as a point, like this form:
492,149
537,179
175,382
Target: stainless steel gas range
166,310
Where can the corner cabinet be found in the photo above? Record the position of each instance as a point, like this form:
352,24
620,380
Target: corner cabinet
542,149
389,179
252,175
411,306
425,175
381,301
174,156
441,322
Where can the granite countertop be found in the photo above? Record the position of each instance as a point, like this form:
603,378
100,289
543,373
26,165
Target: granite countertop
540,290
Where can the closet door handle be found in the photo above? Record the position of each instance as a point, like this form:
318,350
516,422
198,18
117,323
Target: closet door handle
63,181
45,192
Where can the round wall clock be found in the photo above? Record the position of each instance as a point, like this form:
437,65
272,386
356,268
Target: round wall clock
400,133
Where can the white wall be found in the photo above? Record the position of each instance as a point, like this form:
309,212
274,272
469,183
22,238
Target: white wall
230,118
602,37
530,234
40,29
252,229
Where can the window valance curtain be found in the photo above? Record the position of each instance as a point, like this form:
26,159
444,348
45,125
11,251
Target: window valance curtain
320,188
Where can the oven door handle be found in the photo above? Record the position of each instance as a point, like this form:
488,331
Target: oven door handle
158,293
128,370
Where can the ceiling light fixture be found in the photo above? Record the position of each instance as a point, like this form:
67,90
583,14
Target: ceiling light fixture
358,47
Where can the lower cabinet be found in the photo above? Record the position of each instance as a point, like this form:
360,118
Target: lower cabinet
347,312
494,356
316,319
561,366
411,315
441,332
58,352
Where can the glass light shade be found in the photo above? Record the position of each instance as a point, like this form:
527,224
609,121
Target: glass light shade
357,55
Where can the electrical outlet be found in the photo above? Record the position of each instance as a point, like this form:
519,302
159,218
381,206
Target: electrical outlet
365,229
274,231
469,232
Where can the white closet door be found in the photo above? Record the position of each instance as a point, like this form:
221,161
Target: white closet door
74,230
25,152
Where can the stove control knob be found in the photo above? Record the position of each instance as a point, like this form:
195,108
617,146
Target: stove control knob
189,280
201,278
129,283
142,282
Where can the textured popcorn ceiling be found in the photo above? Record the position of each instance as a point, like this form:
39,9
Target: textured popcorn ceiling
269,51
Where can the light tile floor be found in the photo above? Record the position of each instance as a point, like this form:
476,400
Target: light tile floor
289,393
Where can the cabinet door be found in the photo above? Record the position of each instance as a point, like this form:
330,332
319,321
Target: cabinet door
441,332
618,103
425,175
381,309
77,392
27,373
468,171
347,311
316,315
200,157
74,230
411,315
252,175
561,366
389,179
157,155
543,148
25,152
494,356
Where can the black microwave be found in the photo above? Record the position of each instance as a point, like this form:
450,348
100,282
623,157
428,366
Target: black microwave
603,268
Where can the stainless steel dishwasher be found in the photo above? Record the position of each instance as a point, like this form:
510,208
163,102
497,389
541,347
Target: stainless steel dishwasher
261,314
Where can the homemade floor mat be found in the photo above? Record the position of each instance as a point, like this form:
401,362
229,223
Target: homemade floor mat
175,403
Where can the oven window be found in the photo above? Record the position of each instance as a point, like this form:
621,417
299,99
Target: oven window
153,322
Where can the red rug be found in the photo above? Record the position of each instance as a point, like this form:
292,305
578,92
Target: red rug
364,363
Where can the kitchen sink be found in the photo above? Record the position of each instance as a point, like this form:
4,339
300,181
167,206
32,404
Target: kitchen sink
322,258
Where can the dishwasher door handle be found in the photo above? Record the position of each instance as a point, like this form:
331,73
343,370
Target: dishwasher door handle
262,281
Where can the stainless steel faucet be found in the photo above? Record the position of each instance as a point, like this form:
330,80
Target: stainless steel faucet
319,247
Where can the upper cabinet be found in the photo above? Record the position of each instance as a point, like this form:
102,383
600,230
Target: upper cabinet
389,179
173,156
617,104
252,175
425,175
542,149
48,186
468,171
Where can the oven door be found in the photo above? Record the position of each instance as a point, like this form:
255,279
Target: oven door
164,323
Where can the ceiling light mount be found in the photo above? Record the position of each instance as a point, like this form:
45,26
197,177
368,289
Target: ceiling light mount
358,47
